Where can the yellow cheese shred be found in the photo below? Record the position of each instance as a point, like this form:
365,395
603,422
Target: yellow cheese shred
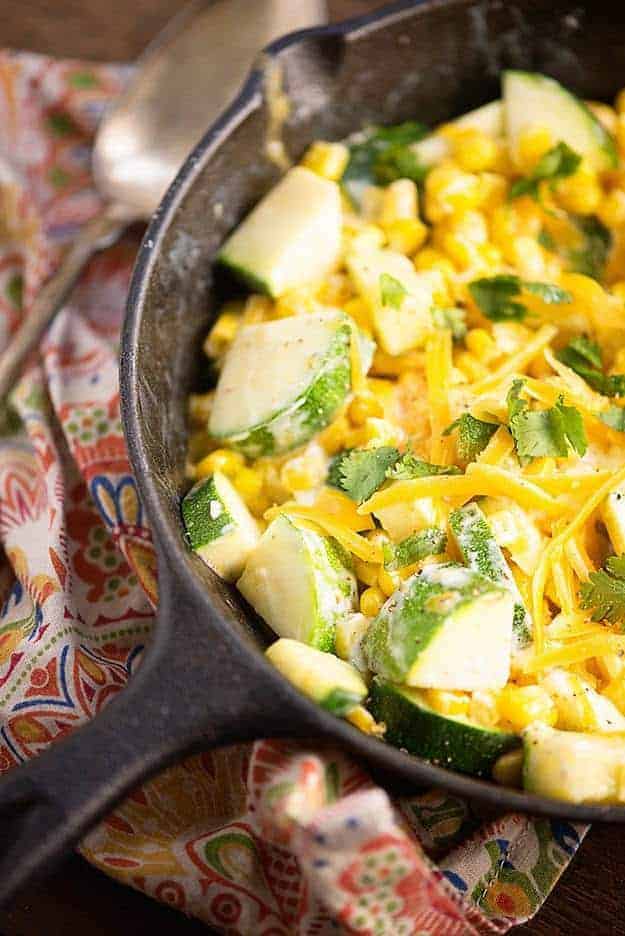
517,362
576,651
352,542
558,543
479,480
438,370
359,383
500,445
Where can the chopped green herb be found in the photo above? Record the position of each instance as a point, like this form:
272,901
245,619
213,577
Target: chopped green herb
559,163
362,471
392,292
473,435
548,292
453,319
584,357
408,467
604,592
590,259
546,240
544,433
495,296
614,417
334,477
382,154
418,546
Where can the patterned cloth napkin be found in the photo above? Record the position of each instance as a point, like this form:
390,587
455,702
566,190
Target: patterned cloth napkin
264,840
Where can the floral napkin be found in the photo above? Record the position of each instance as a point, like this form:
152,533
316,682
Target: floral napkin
264,840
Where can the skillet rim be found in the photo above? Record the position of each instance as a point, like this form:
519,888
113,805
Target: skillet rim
404,766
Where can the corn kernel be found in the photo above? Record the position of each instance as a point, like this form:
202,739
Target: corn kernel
508,769
293,302
481,344
618,289
449,190
447,703
371,202
619,103
529,258
431,259
521,705
362,407
388,582
257,309
225,460
369,235
470,366
222,334
327,159
399,202
609,666
483,708
381,432
199,407
581,192
493,190
605,114
474,151
362,719
371,601
534,142
249,483
366,572
612,208
336,289
406,235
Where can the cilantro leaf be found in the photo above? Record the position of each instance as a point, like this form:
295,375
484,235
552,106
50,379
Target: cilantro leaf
604,592
544,433
382,154
429,542
364,470
334,478
453,319
590,259
614,417
548,292
408,466
582,348
495,294
584,357
558,163
473,435
392,292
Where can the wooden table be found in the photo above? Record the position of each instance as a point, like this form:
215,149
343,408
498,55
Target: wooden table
78,901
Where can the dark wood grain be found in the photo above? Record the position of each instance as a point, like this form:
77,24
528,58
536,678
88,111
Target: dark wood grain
76,900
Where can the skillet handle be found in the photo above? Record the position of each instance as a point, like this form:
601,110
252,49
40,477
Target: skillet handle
180,701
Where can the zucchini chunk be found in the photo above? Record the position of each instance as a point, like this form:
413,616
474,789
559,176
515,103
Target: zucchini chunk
220,528
332,683
299,582
446,627
580,707
282,381
291,238
449,741
574,766
434,148
531,99
480,551
405,321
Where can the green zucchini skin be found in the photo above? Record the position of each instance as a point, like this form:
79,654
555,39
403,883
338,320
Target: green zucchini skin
481,552
447,742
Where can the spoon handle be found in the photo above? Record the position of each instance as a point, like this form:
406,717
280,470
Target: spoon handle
100,232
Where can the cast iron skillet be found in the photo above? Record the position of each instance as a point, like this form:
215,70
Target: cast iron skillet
204,681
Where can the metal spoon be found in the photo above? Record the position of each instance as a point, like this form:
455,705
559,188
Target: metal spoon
185,78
